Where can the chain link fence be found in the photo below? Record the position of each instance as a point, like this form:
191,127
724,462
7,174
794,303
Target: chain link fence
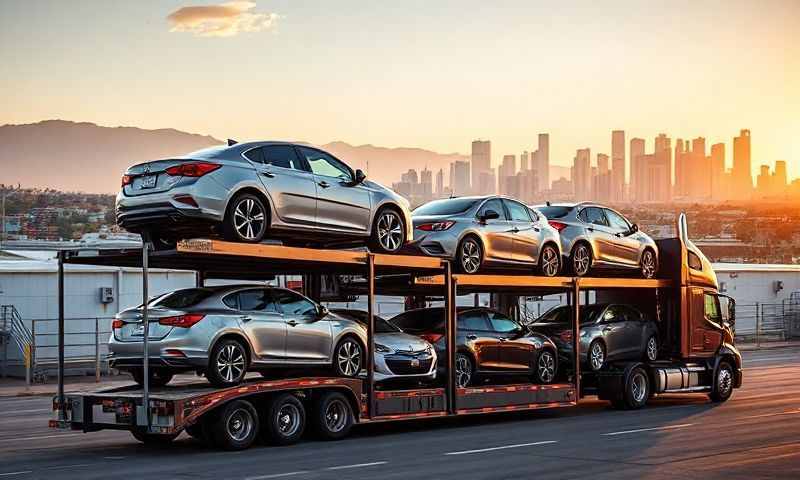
759,323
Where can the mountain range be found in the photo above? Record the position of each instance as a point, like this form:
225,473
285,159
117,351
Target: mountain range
82,156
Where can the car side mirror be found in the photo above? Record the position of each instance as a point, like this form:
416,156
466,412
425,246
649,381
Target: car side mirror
322,311
634,229
489,215
360,177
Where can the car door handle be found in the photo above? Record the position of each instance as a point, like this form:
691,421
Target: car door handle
246,318
515,230
472,337
268,174
503,339
536,229
324,184
291,322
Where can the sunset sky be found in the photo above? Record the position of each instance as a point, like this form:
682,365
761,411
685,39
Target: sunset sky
429,74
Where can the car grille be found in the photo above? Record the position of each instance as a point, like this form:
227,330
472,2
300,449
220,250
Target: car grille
402,365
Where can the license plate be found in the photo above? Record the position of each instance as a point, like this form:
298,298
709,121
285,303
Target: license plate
148,181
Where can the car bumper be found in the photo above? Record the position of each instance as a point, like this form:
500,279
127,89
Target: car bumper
396,366
179,352
206,206
436,244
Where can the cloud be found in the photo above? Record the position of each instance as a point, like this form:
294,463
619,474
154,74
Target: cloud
223,20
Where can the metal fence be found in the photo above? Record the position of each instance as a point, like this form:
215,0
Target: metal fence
768,322
85,346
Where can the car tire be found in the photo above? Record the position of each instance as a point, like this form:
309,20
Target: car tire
227,364
651,349
596,355
348,357
469,255
235,426
465,370
549,261
333,416
155,439
246,219
648,264
388,231
158,376
580,260
637,389
723,383
546,367
284,420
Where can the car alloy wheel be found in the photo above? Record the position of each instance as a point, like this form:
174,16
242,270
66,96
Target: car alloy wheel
546,367
581,260
648,264
549,261
230,362
348,358
652,348
463,370
390,231
249,219
470,256
597,356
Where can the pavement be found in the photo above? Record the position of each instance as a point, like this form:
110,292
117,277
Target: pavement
756,434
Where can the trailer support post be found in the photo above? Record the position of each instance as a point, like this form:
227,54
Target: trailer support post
449,300
576,331
61,406
370,335
146,332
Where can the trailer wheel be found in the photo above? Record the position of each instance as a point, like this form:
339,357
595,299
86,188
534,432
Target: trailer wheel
723,383
153,438
637,390
236,426
284,420
333,416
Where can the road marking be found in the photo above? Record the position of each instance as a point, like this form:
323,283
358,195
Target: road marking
787,412
503,447
15,412
767,359
666,427
24,439
8,474
278,475
356,465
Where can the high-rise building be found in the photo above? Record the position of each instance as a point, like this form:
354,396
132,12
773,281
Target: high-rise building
459,178
681,169
779,178
742,173
601,184
541,163
481,160
506,170
523,162
699,170
439,183
718,187
663,158
638,169
425,191
582,174
618,165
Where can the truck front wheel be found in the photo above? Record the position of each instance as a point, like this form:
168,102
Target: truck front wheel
723,383
636,393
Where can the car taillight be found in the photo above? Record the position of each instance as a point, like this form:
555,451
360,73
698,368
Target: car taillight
557,225
436,226
127,180
432,337
566,335
194,169
117,323
183,321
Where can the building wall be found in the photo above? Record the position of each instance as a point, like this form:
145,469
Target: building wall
757,287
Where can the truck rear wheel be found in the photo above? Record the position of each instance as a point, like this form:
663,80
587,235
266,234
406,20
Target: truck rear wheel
333,416
235,427
284,420
723,383
637,390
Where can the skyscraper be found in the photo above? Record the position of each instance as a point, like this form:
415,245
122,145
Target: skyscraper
541,163
681,169
718,187
506,171
779,178
637,184
618,165
582,174
601,184
523,162
742,174
439,183
459,178
481,163
699,170
663,158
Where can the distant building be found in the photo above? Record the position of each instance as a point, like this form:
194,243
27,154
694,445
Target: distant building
439,191
582,174
481,163
541,163
638,169
718,177
618,165
742,173
460,178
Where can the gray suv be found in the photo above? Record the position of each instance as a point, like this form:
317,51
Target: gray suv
250,191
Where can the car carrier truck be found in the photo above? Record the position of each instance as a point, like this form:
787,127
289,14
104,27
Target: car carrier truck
695,327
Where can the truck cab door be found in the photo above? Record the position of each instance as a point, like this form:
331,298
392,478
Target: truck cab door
705,324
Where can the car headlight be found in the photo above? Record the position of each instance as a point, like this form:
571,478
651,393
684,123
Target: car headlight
583,333
382,348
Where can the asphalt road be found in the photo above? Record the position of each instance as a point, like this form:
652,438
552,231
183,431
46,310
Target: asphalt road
756,434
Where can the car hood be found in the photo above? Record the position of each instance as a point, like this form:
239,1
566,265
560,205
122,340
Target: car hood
402,341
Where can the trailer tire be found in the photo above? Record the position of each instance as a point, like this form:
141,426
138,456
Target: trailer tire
153,438
284,420
236,426
333,416
637,389
723,383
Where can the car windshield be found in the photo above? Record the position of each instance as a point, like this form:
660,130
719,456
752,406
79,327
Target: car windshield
449,206
182,298
420,320
563,314
554,211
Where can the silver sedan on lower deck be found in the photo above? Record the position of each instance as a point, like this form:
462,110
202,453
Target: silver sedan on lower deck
487,231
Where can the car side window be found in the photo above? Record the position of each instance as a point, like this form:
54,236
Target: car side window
595,216
292,303
323,164
518,211
617,221
613,314
496,205
502,324
256,300
283,156
633,314
255,155
474,320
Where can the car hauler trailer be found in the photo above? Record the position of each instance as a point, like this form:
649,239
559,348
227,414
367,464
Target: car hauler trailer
697,354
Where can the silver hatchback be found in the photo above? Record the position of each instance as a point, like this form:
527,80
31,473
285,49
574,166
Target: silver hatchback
251,191
597,237
478,232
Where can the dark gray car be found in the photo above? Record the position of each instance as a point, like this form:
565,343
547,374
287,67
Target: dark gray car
251,191
608,332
